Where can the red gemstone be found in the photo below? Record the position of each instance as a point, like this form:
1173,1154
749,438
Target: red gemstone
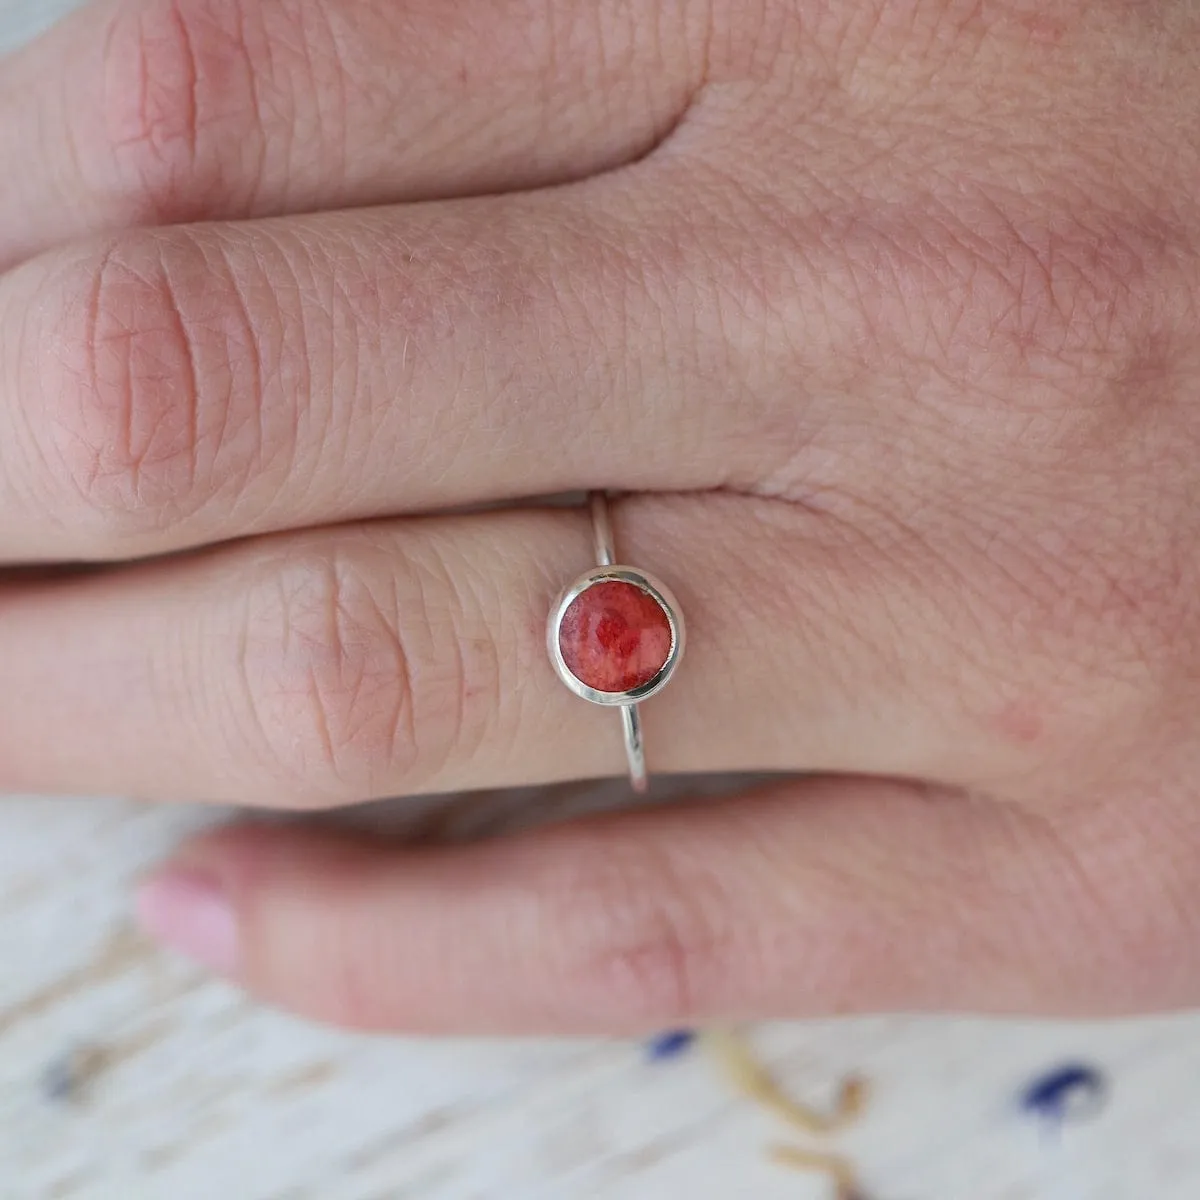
614,637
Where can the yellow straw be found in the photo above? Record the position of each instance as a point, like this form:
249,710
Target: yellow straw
751,1078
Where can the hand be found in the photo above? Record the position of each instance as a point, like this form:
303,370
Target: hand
882,314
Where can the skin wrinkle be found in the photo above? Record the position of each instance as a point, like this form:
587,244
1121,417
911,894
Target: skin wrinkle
463,744
159,128
329,666
219,415
250,664
120,416
255,154
425,750
305,347
1069,315
20,437
91,366
190,74
354,686
315,597
294,52
328,754
346,374
220,434
114,459
244,673
265,370
42,453
191,387
342,72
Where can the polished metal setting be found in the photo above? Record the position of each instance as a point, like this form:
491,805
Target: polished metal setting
607,570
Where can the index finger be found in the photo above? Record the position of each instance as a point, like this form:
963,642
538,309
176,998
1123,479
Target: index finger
138,112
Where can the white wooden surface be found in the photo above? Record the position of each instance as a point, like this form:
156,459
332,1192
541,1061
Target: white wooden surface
189,1091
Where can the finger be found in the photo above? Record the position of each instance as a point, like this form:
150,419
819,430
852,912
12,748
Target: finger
409,656
161,111
176,388
386,659
806,899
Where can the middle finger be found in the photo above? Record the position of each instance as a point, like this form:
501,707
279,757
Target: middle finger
172,388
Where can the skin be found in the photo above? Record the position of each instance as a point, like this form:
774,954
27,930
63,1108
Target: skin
883,316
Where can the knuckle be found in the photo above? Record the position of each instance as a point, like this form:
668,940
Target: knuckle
180,99
639,941
1052,348
327,671
144,415
999,306
346,674
1043,300
1055,303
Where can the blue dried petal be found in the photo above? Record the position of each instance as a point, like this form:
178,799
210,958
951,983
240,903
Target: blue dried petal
1069,1092
670,1044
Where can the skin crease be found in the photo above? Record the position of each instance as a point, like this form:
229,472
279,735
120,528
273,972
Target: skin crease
881,312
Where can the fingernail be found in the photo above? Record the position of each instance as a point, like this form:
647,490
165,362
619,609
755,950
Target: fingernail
187,912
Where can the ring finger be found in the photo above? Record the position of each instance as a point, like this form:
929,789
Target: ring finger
324,667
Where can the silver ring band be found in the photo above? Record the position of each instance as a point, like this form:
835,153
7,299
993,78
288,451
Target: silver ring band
635,751
615,636
602,534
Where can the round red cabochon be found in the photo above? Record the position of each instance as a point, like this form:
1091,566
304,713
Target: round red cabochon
614,637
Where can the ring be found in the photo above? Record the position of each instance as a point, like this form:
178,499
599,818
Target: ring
615,636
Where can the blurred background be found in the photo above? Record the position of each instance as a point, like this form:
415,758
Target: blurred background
128,1076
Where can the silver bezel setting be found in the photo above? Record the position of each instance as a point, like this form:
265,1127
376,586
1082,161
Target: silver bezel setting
658,591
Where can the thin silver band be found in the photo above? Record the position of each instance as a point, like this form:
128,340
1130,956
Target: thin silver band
602,533
631,721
